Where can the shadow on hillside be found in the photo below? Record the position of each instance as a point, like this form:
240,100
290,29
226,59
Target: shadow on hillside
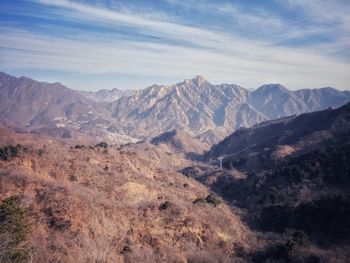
194,156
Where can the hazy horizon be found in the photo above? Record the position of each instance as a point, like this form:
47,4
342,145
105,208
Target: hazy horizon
165,84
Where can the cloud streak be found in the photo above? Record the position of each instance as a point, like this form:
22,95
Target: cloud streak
179,51
98,57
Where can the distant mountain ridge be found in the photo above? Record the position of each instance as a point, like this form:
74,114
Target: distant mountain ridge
275,100
202,110
276,139
105,95
49,108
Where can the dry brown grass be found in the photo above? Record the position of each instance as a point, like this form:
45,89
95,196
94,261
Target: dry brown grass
282,151
97,205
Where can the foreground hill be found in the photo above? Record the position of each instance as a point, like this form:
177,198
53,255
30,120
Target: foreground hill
300,202
203,110
98,203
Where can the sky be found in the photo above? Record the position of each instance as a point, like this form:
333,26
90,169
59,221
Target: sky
132,44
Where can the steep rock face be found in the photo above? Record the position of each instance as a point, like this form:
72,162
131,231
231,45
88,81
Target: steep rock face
201,108
193,105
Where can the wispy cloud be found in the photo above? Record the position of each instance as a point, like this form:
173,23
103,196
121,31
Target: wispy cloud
335,12
258,18
259,21
176,51
204,38
330,15
97,56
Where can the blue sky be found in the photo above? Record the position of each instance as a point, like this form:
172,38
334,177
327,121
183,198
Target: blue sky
131,44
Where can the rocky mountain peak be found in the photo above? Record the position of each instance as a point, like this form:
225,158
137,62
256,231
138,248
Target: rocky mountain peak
200,78
197,81
268,88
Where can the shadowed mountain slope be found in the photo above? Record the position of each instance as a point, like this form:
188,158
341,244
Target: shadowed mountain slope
289,135
292,178
179,141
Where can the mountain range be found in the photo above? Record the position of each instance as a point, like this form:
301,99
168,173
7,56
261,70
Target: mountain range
203,110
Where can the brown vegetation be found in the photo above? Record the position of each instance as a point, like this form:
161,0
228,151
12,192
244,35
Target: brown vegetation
137,210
